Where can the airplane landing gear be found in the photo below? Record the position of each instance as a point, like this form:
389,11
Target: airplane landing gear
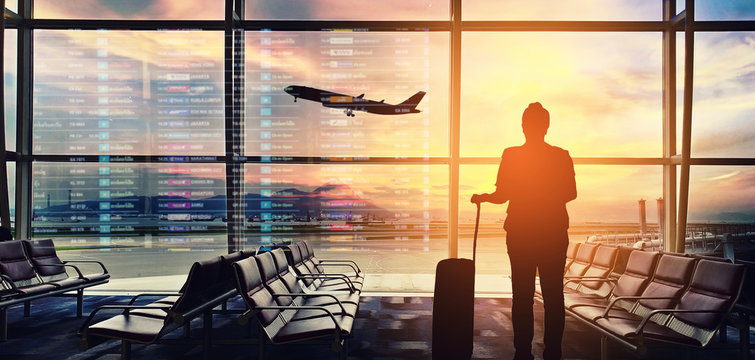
349,112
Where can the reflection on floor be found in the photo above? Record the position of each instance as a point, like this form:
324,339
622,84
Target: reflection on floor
387,327
374,283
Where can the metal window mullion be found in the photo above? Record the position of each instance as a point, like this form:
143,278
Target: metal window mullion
234,169
454,130
669,127
24,119
689,53
4,198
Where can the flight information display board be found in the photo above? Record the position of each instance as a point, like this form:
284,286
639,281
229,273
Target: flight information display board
128,93
387,68
124,203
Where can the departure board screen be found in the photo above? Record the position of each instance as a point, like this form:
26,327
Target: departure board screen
128,93
347,206
355,77
111,203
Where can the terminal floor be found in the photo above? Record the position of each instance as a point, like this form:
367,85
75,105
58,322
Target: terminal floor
388,327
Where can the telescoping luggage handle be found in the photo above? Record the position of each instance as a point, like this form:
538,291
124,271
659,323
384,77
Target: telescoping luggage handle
476,227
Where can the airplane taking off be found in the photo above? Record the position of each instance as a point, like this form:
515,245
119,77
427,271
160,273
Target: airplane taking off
351,103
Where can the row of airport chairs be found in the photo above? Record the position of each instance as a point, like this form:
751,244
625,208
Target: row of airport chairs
31,269
634,297
301,305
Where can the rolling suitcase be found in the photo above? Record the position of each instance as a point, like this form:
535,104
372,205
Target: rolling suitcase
453,305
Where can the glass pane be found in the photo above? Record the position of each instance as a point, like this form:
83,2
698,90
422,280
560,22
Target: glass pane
387,68
128,93
143,219
598,210
603,10
723,109
12,5
724,10
10,70
391,219
347,10
130,10
603,91
722,194
11,167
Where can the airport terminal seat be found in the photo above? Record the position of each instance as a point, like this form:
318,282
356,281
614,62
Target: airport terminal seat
317,281
693,320
600,269
284,297
317,266
280,323
322,263
31,270
295,285
206,287
632,282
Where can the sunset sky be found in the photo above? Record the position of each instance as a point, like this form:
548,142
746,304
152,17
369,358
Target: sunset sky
603,91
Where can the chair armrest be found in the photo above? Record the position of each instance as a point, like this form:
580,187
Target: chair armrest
345,263
590,278
104,270
133,299
312,295
329,276
125,309
611,304
10,282
81,276
643,323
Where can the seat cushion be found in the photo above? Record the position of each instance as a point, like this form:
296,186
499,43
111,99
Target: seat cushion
659,332
68,282
134,328
312,328
572,299
37,289
594,312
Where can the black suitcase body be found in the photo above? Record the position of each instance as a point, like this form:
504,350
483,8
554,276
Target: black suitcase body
453,306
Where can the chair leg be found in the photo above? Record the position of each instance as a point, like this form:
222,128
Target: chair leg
744,340
207,330
187,329
3,324
603,347
79,302
27,308
261,345
722,336
125,350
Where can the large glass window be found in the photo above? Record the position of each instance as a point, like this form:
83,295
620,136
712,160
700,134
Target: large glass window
605,10
132,209
9,82
130,10
392,218
128,93
607,204
347,10
346,68
129,127
603,91
723,111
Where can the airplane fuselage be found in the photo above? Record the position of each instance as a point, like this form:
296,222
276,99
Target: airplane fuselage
352,103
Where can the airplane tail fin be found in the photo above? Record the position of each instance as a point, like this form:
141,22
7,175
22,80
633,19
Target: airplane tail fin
414,100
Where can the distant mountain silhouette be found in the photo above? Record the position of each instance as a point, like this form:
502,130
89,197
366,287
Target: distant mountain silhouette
327,202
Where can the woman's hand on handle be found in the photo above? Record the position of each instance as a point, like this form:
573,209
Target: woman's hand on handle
479,198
